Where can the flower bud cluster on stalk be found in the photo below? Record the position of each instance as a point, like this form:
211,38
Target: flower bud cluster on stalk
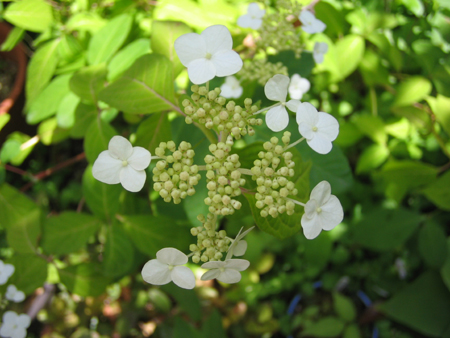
223,180
273,178
211,244
213,111
175,176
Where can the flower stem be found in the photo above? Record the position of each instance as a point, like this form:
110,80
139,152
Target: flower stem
296,202
294,144
267,108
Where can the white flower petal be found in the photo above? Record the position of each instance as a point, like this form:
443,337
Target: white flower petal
183,277
255,11
119,147
306,130
293,105
227,62
320,144
217,38
255,24
107,169
211,274
332,213
277,118
156,273
213,265
328,125
229,92
201,71
171,256
277,87
9,317
244,21
306,17
132,180
240,248
310,208
311,227
19,296
321,193
140,158
19,332
190,47
229,276
24,320
237,264
307,113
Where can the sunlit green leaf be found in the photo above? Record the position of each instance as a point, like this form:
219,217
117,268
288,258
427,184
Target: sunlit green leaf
125,57
88,82
414,89
32,15
14,37
438,192
30,272
84,279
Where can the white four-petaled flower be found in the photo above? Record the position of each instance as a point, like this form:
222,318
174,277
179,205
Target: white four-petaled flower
6,270
253,18
167,267
225,271
122,163
14,325
208,54
231,89
310,24
298,87
320,48
318,128
276,89
13,294
322,212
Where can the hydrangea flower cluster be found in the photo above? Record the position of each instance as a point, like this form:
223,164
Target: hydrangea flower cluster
213,111
177,181
224,180
273,180
175,175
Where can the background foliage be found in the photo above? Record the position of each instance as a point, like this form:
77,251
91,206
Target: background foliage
102,68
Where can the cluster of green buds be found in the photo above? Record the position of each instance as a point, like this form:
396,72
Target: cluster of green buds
224,180
175,175
211,244
272,178
213,111
261,70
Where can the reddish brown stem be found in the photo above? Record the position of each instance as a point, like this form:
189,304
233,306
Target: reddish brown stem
16,170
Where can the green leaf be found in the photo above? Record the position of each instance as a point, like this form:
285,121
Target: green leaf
418,117
371,158
84,279
402,176
164,34
351,331
152,131
101,198
445,270
149,233
372,126
349,52
372,70
23,235
68,232
126,57
65,116
13,150
14,206
40,69
85,114
383,230
415,6
441,109
47,102
325,327
187,300
334,19
32,15
30,272
433,245
344,307
423,305
438,191
413,90
50,133
97,138
317,253
14,37
4,119
119,254
86,22
145,88
285,226
69,49
88,82
213,327
109,39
